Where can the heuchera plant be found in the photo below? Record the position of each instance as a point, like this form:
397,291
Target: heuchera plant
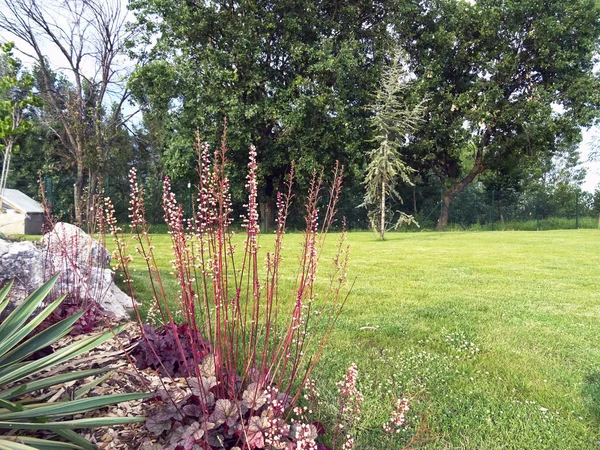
242,346
159,349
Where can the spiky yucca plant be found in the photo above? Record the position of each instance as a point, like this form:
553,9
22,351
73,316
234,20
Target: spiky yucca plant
19,377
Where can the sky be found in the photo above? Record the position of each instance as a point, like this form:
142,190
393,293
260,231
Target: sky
591,137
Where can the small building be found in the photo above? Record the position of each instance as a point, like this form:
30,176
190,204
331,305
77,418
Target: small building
20,214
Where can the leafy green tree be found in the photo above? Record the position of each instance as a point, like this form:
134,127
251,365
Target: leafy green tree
292,77
507,80
393,120
16,99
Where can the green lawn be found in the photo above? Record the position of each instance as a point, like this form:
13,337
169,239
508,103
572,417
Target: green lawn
494,336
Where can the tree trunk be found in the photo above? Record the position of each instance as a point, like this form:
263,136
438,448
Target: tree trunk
415,201
445,213
451,193
500,213
5,168
382,206
78,194
90,210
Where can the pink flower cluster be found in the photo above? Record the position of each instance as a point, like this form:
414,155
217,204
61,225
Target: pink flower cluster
398,417
136,201
277,433
351,397
350,406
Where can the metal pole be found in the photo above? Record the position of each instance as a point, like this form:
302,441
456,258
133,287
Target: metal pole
492,211
441,207
577,209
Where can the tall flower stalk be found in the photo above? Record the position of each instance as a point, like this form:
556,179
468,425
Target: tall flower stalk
229,297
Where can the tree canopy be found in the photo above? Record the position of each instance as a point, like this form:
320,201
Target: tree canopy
509,85
509,81
292,77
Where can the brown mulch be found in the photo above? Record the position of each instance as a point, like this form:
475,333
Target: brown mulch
125,378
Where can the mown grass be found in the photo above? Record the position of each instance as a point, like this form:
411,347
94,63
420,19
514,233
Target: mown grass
494,336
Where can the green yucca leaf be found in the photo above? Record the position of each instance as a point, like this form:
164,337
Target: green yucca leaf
81,442
30,414
60,356
3,292
24,310
10,341
14,407
41,444
85,389
11,445
40,340
70,407
71,424
47,382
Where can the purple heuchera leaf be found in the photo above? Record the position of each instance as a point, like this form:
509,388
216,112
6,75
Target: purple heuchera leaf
319,427
171,349
187,436
167,413
225,412
192,410
254,397
157,427
207,367
255,431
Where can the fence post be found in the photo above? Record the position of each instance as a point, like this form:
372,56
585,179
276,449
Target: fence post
576,209
492,211
441,207
537,214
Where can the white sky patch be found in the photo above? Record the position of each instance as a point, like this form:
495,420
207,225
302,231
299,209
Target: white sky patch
58,62
589,145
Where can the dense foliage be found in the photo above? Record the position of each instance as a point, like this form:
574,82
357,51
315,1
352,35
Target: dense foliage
510,84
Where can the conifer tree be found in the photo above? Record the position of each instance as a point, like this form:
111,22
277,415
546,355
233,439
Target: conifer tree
394,119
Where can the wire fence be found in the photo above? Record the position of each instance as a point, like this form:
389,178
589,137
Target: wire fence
509,210
476,208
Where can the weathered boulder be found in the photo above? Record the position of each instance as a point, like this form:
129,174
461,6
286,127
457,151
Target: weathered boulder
81,261
21,262
72,243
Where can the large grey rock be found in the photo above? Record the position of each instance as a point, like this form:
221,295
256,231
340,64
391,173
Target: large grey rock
21,262
72,243
81,261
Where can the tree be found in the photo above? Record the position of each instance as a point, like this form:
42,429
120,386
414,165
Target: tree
293,77
394,118
89,36
507,80
15,101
